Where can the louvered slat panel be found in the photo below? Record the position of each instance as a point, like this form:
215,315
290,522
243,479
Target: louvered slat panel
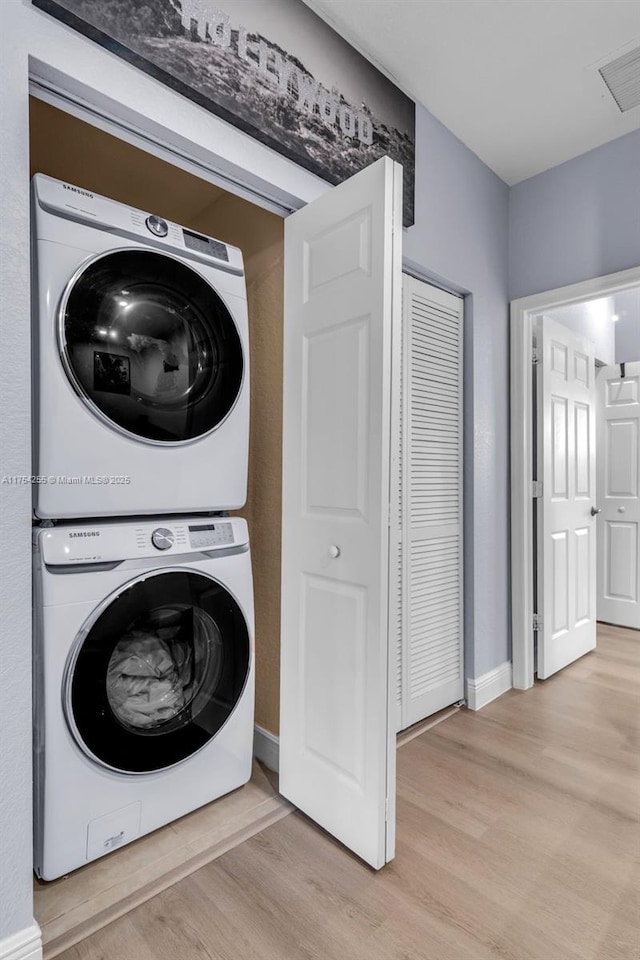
428,576
430,309
428,397
433,346
432,665
442,566
433,459
438,604
428,616
422,336
434,394
444,569
399,619
427,570
439,638
397,588
438,404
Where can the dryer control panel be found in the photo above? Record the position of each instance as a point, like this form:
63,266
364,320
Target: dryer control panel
116,541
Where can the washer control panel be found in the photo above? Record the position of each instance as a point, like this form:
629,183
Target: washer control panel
206,535
162,538
113,541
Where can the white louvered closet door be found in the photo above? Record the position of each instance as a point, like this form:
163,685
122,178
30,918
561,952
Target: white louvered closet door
430,550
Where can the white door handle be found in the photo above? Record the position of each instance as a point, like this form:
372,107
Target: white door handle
334,551
621,509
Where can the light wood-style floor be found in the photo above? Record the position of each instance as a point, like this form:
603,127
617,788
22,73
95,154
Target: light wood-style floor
72,908
517,839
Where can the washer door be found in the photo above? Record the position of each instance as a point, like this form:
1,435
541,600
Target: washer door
150,346
161,668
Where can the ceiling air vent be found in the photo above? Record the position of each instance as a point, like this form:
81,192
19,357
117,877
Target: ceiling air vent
622,77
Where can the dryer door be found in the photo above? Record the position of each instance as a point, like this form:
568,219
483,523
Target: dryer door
150,346
157,671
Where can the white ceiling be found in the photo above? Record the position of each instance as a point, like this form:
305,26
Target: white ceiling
594,319
625,306
516,80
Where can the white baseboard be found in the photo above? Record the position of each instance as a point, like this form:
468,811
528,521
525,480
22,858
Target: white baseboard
24,945
489,686
266,747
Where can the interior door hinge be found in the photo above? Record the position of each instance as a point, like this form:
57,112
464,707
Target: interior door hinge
536,489
386,809
536,355
537,622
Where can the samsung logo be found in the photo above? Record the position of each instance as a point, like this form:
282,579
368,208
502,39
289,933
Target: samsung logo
85,193
86,533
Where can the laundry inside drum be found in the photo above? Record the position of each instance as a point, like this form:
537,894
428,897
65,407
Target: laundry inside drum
164,669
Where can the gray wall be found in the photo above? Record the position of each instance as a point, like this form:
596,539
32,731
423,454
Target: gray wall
461,238
15,503
577,221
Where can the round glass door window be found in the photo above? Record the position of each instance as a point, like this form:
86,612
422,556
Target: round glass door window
151,347
159,672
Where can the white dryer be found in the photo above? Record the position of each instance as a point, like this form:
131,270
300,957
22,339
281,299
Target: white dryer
141,361
144,679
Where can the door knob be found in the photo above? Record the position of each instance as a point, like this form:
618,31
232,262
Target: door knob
334,551
595,511
621,509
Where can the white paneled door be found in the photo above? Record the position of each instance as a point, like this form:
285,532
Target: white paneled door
566,548
618,442
337,714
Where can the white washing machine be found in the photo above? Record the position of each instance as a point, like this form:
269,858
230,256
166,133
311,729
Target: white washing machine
141,361
144,679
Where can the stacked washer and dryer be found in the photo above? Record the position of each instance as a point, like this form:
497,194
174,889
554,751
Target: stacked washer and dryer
143,599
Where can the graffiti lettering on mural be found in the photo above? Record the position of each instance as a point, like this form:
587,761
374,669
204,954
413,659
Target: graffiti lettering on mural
272,68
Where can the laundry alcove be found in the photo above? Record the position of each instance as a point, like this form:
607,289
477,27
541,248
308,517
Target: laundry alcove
70,149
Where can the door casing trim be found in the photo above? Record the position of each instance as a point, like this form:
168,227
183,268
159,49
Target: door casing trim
523,312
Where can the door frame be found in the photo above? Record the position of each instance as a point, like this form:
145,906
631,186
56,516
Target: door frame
139,130
523,312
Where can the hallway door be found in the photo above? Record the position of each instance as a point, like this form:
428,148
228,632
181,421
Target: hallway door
618,444
566,528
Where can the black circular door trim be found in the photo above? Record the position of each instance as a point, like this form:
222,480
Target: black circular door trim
116,746
77,386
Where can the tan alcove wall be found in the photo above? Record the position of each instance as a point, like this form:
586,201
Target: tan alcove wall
72,150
